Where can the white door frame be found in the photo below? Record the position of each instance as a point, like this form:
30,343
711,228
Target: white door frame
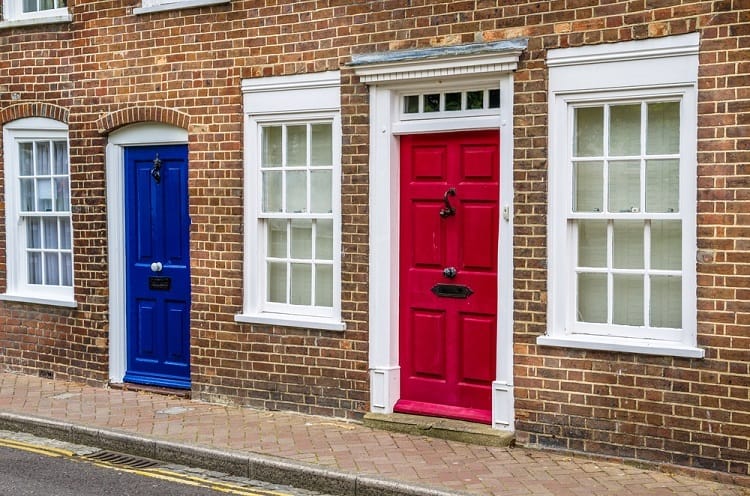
390,76
143,134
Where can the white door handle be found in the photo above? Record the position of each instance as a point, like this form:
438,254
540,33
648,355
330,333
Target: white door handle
156,267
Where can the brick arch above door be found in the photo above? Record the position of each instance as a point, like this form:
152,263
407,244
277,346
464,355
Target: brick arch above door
133,115
34,109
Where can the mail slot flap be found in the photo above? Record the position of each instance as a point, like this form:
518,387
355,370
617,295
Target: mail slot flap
452,291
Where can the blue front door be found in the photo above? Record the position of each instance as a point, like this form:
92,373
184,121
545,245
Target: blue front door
157,227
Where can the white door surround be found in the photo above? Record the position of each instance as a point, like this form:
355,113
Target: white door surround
392,76
132,135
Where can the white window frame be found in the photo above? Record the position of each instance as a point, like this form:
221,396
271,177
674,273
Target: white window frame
13,15
287,100
18,288
661,69
148,6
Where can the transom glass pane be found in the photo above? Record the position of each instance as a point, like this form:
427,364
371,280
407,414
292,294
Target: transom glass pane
431,102
452,101
474,100
411,104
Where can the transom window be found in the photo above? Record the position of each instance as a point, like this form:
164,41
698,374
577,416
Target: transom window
39,232
450,103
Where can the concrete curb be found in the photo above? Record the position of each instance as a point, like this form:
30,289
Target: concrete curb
250,465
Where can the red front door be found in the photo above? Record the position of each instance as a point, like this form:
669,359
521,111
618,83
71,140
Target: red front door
448,276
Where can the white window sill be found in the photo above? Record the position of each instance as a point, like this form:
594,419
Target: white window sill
182,4
39,301
35,21
620,344
292,321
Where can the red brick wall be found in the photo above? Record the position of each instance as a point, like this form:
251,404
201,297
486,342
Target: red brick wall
691,412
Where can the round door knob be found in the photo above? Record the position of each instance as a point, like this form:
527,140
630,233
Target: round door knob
450,272
156,267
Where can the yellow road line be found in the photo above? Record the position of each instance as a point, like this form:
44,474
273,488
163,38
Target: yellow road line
154,473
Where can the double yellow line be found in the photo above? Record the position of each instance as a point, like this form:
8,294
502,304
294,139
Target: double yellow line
154,473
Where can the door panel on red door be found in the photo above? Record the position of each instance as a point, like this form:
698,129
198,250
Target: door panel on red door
448,362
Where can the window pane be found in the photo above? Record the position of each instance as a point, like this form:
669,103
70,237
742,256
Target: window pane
662,186
625,186
277,282
432,103
301,239
625,130
67,270
628,300
592,243
592,298
589,132
324,285
324,240
628,244
65,234
321,191
33,233
29,5
62,195
51,269
35,268
271,146
272,191
666,302
42,158
44,192
296,145
452,101
494,98
50,232
474,100
588,187
296,191
666,244
27,195
301,284
46,4
61,157
663,131
277,238
321,152
411,104
26,159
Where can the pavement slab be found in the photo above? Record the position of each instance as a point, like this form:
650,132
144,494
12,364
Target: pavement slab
324,454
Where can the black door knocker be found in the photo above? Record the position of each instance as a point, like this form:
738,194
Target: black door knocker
156,170
448,210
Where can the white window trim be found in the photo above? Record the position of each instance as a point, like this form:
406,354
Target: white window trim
663,67
149,6
17,287
284,99
13,16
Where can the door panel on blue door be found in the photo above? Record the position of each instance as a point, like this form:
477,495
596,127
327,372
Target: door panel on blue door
158,266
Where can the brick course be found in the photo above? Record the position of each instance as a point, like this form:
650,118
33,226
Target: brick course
109,68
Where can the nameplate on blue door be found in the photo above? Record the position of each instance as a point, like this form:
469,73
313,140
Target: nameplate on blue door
160,283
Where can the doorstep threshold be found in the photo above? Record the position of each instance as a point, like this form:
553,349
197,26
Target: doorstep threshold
442,428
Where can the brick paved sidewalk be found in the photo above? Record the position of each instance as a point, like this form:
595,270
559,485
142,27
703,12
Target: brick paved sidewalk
411,461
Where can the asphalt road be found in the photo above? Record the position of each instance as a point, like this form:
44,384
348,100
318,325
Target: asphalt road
31,466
